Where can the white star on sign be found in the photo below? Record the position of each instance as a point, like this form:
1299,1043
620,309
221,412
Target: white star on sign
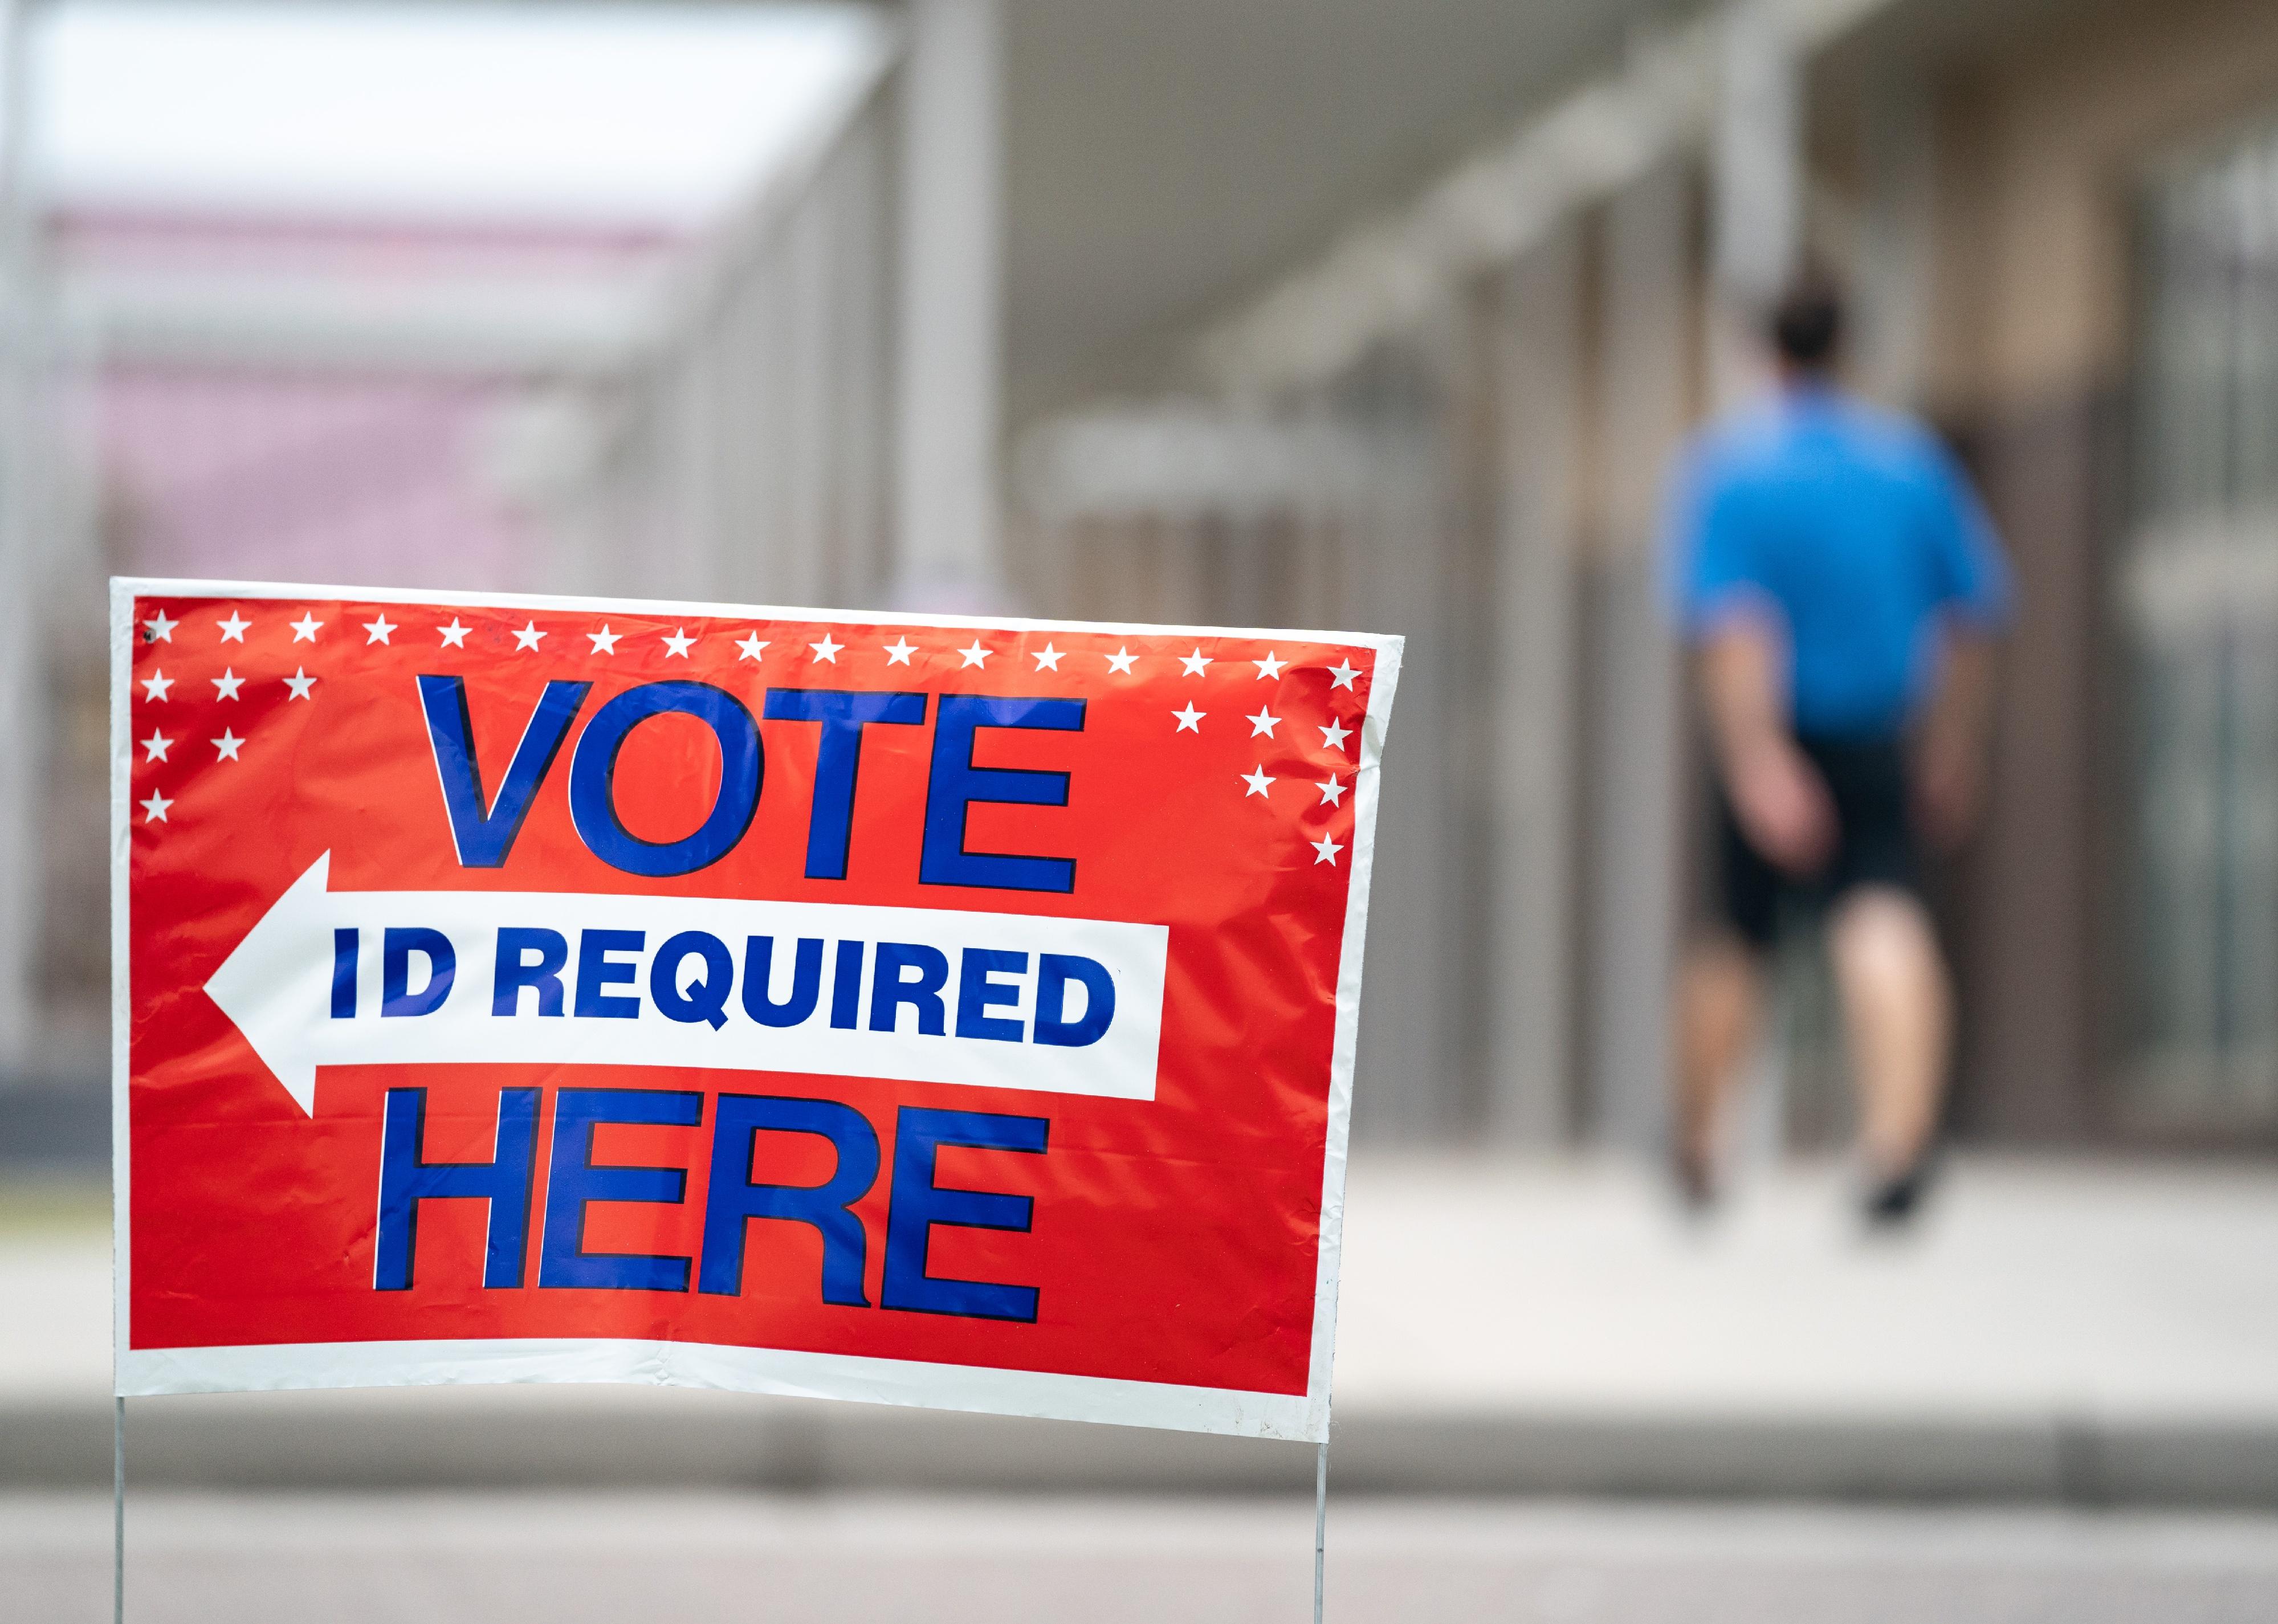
300,682
1332,793
156,685
376,631
1256,779
751,644
154,809
156,746
1189,720
227,744
226,684
158,628
899,652
1269,666
529,636
827,651
1048,657
1121,660
1342,675
454,636
1335,733
1194,662
1263,722
604,641
1325,851
233,629
305,629
678,642
976,655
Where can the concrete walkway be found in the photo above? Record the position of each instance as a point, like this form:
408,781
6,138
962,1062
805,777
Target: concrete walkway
2053,1331
459,1558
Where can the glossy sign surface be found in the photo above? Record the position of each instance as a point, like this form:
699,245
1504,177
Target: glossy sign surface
527,988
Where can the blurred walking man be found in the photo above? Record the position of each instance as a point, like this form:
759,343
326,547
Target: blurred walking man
1839,587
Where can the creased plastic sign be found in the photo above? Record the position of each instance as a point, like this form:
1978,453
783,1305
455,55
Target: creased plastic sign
957,1013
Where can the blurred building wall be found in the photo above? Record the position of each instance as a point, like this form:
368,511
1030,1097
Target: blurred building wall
2056,154
1558,311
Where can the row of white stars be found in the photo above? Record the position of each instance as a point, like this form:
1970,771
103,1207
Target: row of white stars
678,642
154,747
1190,720
1333,789
158,685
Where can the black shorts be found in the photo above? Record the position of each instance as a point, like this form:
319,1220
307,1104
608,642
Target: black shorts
1874,843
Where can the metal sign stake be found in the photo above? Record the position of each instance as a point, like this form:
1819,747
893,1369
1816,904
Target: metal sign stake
119,1514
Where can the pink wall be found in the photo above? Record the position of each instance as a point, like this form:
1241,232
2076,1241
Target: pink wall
281,475
295,478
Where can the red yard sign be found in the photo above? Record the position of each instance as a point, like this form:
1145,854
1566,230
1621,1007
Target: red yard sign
946,1013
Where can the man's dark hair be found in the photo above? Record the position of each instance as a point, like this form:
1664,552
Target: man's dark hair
1807,324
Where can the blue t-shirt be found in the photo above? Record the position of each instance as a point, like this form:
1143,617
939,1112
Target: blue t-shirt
1855,530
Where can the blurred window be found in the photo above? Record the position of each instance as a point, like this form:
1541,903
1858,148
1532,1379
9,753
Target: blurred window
2198,600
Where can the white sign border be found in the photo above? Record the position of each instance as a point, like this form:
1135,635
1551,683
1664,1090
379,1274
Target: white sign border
139,1373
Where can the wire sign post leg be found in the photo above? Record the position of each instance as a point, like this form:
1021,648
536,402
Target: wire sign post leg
1320,1524
119,1514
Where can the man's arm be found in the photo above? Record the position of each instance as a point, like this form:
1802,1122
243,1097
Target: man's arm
1957,722
1781,803
1957,725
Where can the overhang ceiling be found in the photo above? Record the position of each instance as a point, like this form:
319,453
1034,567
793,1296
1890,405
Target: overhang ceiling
1165,157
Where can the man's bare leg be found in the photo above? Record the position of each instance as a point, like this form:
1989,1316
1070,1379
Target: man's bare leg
1899,1009
1719,996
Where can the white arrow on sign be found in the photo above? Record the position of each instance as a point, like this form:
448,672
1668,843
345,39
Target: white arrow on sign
277,987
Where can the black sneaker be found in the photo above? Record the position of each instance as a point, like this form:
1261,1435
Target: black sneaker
1894,1201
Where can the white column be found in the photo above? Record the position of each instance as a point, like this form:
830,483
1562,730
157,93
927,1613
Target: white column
1396,567
1754,167
950,339
1756,201
1636,788
1755,188
1532,653
1893,294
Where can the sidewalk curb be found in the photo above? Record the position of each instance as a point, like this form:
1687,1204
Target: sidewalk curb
441,1440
